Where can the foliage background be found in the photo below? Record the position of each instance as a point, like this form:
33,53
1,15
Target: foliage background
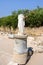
34,18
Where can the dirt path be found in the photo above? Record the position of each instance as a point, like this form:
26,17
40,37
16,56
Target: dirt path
36,59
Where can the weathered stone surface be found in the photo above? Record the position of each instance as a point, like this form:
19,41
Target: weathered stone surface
20,58
36,43
20,45
17,36
12,63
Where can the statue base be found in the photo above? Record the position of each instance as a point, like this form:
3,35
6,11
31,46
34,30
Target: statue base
20,58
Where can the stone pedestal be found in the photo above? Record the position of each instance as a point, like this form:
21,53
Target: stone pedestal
20,44
20,49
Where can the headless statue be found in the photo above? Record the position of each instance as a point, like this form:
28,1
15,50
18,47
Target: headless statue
21,24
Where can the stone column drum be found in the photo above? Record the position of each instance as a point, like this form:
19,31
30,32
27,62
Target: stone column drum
20,49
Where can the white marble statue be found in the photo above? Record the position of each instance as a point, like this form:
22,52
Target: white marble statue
21,24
